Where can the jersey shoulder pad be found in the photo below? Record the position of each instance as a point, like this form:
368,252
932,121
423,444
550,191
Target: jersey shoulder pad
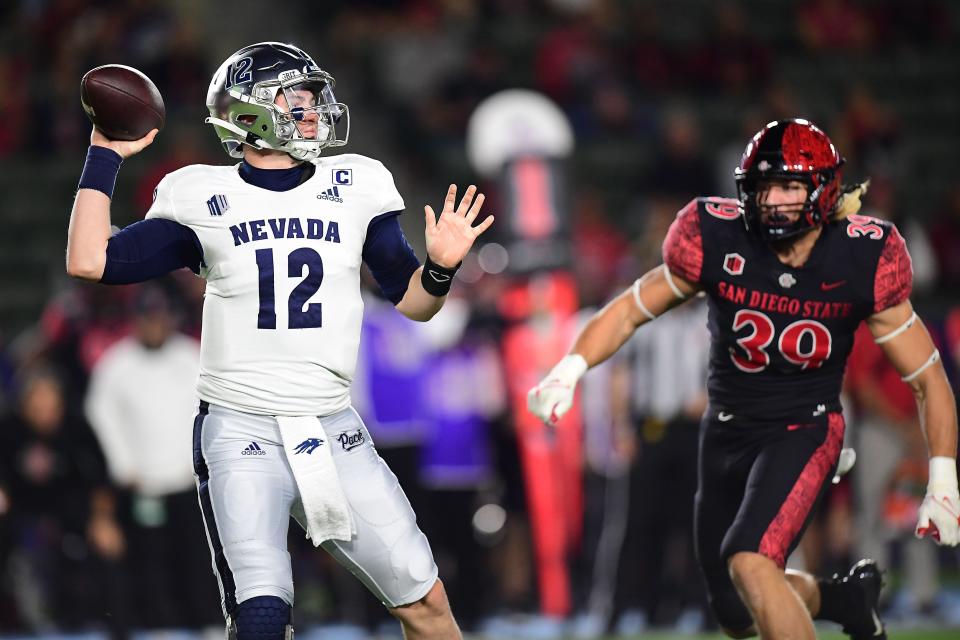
351,159
894,277
187,184
365,174
726,209
867,227
683,245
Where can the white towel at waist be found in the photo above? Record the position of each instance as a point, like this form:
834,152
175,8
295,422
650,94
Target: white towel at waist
308,450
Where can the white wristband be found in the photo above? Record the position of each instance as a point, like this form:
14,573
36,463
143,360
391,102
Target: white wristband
943,475
570,369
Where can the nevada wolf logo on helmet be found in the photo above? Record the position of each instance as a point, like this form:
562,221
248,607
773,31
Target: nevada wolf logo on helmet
245,103
308,446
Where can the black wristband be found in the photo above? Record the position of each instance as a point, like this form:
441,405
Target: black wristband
436,280
100,170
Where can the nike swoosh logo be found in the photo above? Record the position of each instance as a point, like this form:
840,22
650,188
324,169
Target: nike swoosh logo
439,277
827,286
877,625
724,417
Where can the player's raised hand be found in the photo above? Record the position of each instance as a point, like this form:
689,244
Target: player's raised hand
450,237
939,514
553,397
125,148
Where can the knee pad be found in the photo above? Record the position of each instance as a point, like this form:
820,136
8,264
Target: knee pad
261,618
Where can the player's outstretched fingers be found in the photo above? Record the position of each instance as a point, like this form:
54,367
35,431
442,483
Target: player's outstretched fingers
464,207
483,226
429,217
475,209
450,199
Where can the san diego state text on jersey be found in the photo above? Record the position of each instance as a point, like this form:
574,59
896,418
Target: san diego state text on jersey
780,334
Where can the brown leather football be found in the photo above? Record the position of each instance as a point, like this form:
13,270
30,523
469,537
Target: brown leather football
121,102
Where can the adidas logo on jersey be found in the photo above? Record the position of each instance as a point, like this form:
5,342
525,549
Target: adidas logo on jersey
217,205
253,450
332,194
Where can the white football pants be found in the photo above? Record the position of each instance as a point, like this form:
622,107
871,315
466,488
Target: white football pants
248,493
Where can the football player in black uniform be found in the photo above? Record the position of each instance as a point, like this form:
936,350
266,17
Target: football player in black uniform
790,271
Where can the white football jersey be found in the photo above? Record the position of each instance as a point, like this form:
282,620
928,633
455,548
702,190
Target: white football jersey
282,310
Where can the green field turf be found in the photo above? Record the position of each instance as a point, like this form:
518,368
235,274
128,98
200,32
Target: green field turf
892,634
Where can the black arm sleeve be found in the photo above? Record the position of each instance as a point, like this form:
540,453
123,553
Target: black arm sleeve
389,255
151,248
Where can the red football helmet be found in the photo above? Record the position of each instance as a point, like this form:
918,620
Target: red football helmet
791,149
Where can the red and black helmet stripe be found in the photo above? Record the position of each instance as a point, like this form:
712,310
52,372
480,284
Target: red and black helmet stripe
807,149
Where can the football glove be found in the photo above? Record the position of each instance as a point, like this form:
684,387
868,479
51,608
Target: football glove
553,397
939,514
848,457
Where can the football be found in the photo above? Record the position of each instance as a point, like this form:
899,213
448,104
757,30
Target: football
122,103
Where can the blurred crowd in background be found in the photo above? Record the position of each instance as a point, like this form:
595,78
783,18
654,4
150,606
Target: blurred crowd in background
98,521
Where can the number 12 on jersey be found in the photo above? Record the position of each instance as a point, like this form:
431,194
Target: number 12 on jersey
755,358
300,313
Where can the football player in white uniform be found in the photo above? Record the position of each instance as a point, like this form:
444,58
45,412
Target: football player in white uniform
279,239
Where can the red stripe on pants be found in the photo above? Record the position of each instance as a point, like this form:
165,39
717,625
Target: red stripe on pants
793,513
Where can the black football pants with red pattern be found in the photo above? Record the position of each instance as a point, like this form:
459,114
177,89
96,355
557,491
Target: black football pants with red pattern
759,483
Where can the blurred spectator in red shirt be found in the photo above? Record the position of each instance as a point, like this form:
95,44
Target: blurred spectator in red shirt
77,325
599,248
833,25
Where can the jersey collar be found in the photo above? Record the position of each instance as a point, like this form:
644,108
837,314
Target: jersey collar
276,179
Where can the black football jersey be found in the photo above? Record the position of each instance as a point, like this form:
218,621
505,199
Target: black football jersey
780,334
